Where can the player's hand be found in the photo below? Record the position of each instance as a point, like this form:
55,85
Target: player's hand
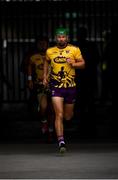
30,84
70,61
45,82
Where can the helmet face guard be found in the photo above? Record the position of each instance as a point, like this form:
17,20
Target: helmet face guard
61,31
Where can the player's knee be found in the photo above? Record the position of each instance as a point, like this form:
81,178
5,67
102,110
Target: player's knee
59,115
68,116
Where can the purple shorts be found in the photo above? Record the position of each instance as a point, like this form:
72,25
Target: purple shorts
69,94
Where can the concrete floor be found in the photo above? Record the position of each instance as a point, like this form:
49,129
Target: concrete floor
24,156
43,161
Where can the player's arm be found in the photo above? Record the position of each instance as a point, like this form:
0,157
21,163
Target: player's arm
79,63
46,70
29,75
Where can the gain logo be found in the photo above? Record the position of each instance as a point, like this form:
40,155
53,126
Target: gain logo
60,59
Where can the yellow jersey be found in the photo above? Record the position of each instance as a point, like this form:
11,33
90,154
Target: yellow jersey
62,74
37,63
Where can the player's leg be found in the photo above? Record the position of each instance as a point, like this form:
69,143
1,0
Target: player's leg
69,101
42,100
69,108
68,111
50,118
58,108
